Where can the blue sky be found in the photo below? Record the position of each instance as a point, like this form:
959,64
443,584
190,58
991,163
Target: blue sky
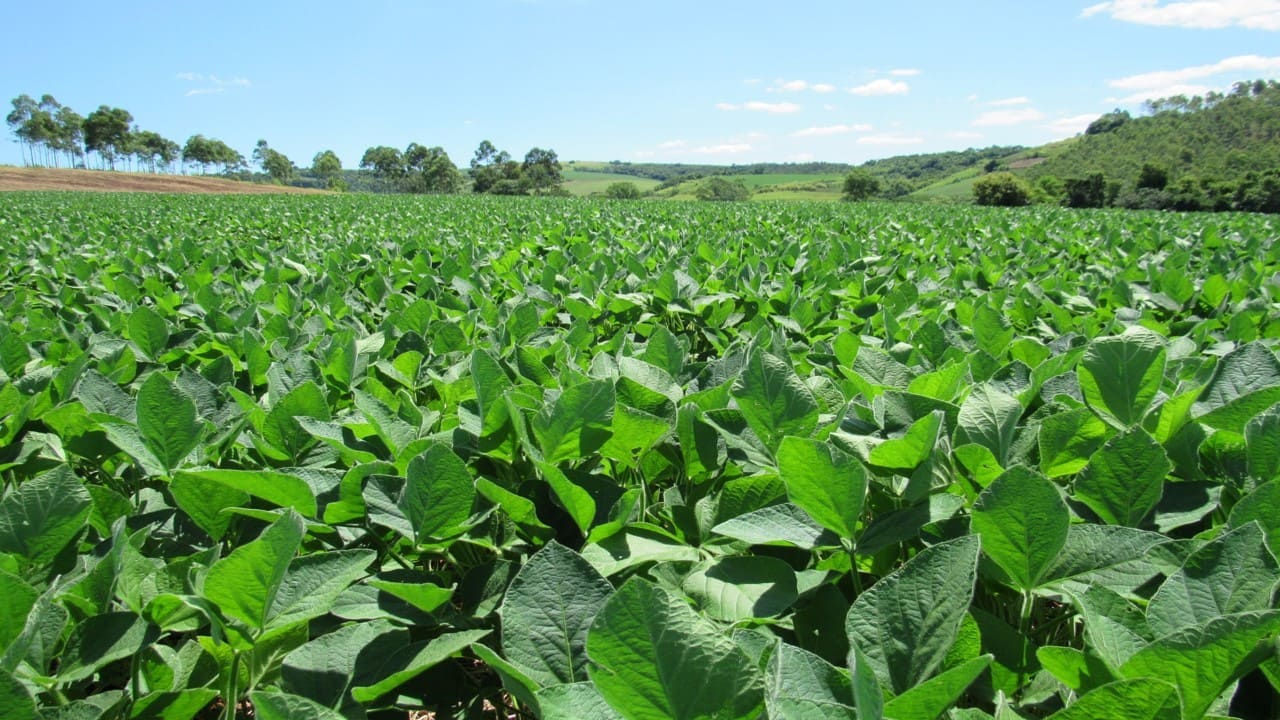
693,81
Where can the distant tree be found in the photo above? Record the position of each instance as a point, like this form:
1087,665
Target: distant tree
20,124
198,150
860,185
326,166
541,171
1086,192
1188,195
1153,177
386,163
429,170
493,171
1111,121
1050,189
1001,189
718,189
274,163
152,150
622,191
106,132
71,134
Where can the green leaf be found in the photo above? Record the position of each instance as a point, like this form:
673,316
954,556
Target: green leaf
636,545
1140,699
737,588
574,701
1245,382
913,448
826,482
868,696
175,705
394,432
491,383
800,685
278,488
103,639
1202,661
325,668
1104,555
577,424
1234,573
902,525
167,421
1261,506
1120,376
433,502
992,330
245,583
931,698
1023,522
149,332
313,582
16,702
414,660
575,499
1116,629
774,400
1068,439
282,431
989,417
204,501
1262,440
1124,480
654,658
43,515
546,613
282,706
783,524
514,680
16,600
909,619
1078,670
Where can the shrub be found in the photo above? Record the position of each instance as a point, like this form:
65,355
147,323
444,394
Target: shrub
717,189
1001,189
622,191
1086,192
860,185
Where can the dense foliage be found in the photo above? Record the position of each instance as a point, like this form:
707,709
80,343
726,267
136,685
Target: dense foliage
346,456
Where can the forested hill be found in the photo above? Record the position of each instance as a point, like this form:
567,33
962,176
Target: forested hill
1217,137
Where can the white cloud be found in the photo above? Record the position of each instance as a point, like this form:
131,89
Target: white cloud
723,149
831,130
1166,78
790,86
210,84
756,135
823,88
645,153
205,91
1209,14
757,106
882,87
190,77
672,145
1010,101
965,135
1161,92
890,139
1007,117
972,98
1068,126
905,72
828,107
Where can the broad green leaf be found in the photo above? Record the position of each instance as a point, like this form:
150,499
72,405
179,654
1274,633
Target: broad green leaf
902,525
172,705
1235,573
1023,522
826,482
912,449
800,685
931,698
774,400
432,503
1202,661
1262,438
325,668
16,702
16,600
282,706
784,524
103,639
1124,480
149,332
491,384
1263,506
654,658
43,515
577,423
313,582
204,500
278,488
40,636
733,589
992,330
520,509
908,620
1068,439
574,701
1121,375
514,679
1106,555
868,696
1116,629
636,545
1139,699
989,417
413,660
167,421
1245,382
575,499
394,432
245,583
281,430
547,611
1079,670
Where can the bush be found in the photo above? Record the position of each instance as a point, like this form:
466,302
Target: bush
1001,189
1145,198
622,191
860,185
717,189
1086,192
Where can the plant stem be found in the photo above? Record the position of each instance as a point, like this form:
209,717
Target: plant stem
231,698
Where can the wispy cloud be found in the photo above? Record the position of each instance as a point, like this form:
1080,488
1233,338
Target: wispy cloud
645,154
997,118
791,86
890,139
1204,14
1167,83
205,91
211,84
823,88
723,149
1007,102
1069,126
832,130
757,106
905,72
672,145
882,87
965,135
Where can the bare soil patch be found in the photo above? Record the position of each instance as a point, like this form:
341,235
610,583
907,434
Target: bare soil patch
15,178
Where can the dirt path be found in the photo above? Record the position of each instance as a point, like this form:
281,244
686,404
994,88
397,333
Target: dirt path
14,178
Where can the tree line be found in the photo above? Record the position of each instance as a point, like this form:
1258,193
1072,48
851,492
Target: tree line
54,135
